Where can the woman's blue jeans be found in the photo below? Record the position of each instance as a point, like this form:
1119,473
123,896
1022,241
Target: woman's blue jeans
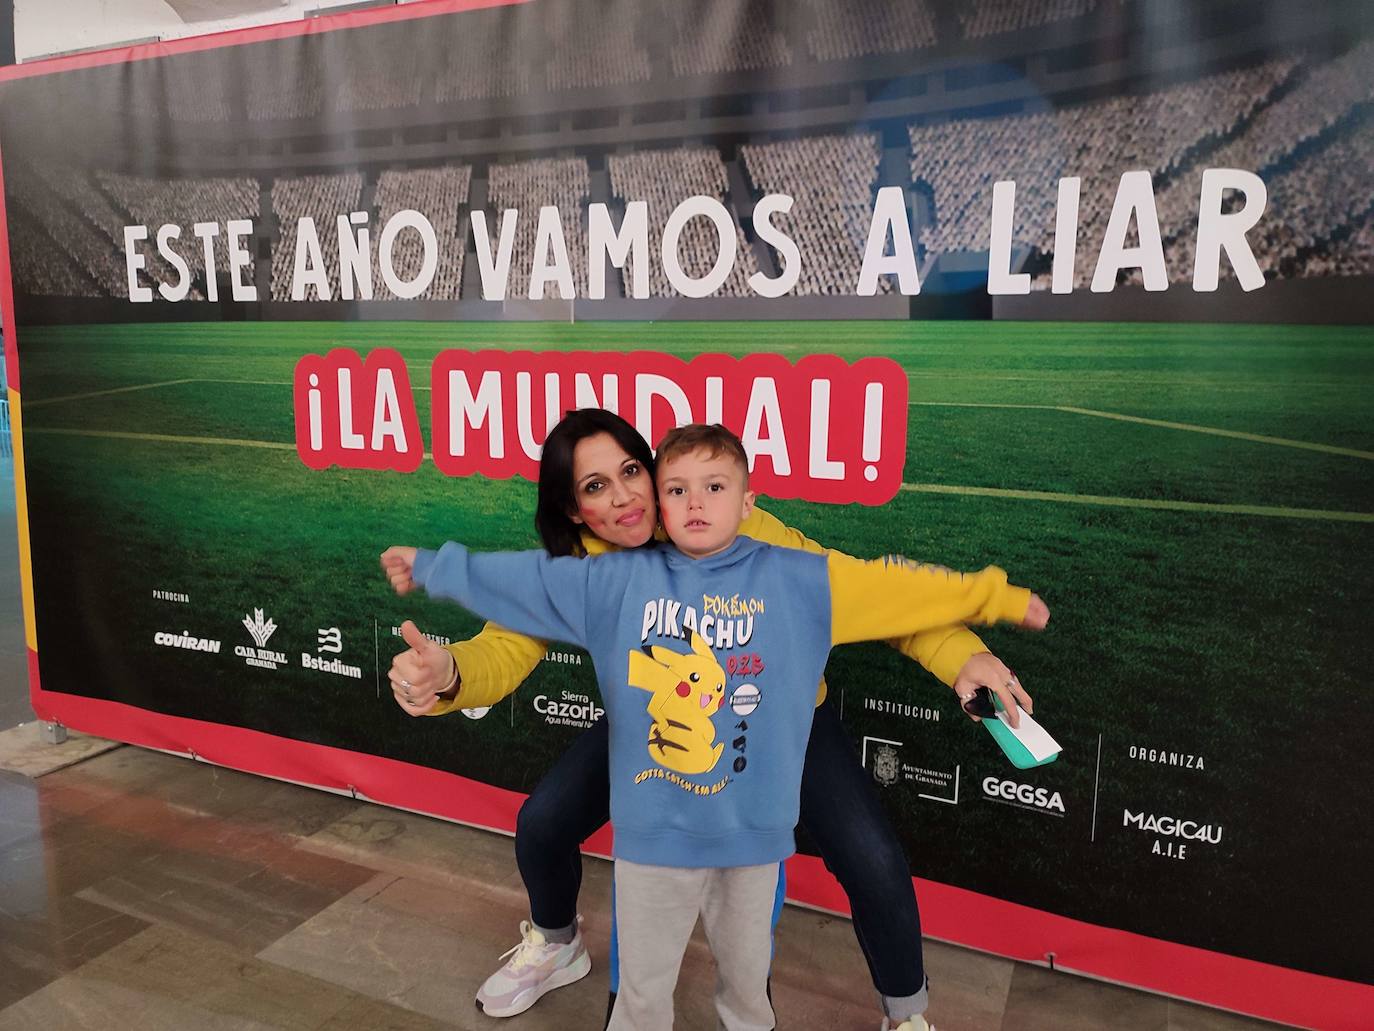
840,810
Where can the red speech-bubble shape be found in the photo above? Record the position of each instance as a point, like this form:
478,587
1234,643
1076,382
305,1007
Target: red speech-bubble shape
822,429
356,414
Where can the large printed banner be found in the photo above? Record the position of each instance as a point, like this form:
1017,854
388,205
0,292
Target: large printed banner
281,298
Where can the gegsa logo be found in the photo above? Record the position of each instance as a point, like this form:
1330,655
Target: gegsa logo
1024,795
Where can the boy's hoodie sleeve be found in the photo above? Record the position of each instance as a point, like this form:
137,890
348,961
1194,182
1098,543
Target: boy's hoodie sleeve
942,650
491,666
525,590
892,597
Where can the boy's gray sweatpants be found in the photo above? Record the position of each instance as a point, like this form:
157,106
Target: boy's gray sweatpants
656,908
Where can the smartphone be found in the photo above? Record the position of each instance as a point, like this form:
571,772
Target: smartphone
981,704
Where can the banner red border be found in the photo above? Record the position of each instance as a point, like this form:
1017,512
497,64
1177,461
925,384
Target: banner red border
953,914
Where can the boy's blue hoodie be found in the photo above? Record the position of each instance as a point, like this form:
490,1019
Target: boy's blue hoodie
708,669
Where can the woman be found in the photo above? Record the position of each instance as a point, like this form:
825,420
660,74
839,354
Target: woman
596,493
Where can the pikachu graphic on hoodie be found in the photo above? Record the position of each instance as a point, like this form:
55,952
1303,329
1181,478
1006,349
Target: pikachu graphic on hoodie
687,690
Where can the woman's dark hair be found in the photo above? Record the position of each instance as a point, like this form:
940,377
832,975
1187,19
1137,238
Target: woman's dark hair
562,536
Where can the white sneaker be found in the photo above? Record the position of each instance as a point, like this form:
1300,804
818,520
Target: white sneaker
534,966
917,1023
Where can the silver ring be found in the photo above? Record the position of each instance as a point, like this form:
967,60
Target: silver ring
405,685
1009,683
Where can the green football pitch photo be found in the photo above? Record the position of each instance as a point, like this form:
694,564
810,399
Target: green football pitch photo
1194,502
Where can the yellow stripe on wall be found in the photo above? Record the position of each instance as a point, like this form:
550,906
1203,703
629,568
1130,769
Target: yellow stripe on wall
21,511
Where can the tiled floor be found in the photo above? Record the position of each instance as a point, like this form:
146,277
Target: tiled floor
146,891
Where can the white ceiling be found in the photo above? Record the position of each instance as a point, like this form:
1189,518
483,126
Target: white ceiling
213,10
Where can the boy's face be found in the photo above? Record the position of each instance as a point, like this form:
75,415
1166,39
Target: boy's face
702,501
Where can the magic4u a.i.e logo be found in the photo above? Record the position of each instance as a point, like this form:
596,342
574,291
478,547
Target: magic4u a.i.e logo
1174,838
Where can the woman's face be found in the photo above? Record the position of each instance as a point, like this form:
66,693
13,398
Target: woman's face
613,494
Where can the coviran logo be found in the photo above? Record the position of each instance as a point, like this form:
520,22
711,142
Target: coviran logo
1023,796
1166,827
185,640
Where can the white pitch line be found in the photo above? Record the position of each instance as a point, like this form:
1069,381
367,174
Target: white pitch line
919,488
1158,504
167,438
163,438
1102,380
1254,438
172,383
102,393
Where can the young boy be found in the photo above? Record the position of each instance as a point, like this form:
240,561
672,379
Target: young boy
707,653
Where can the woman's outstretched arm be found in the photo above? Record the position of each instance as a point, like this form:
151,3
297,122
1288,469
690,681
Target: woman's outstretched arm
953,654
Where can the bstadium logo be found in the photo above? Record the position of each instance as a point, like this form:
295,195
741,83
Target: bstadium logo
1023,796
330,639
185,640
335,666
1172,835
571,710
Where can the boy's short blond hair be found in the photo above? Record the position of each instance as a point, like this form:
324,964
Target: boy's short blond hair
715,440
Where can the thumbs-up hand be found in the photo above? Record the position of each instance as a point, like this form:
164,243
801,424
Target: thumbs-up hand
423,672
398,563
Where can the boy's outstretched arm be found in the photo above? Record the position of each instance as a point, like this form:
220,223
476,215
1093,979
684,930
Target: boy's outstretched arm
525,590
